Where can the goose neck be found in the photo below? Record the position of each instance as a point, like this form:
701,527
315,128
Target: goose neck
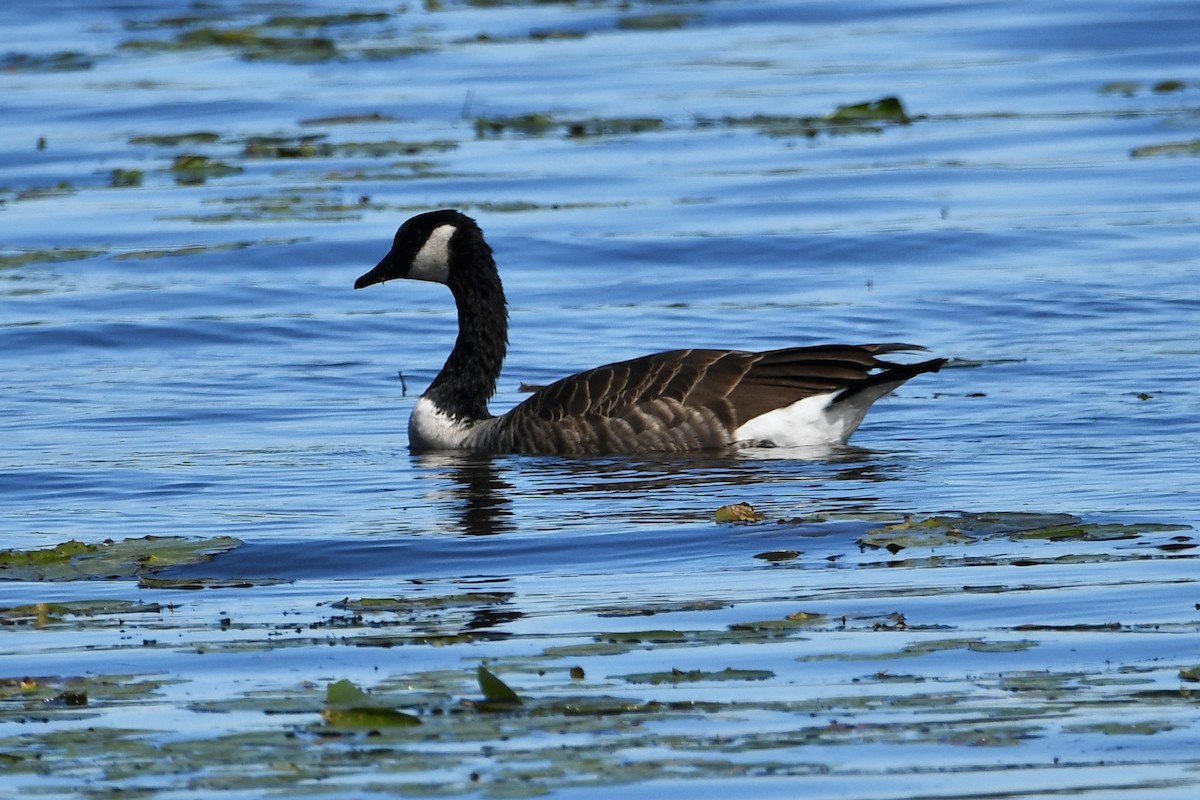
468,378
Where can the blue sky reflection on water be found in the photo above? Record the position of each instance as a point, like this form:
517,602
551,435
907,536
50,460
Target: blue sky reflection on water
186,356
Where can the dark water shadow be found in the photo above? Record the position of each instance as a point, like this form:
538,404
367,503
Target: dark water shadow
479,516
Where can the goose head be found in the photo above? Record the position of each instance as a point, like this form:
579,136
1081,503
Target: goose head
427,247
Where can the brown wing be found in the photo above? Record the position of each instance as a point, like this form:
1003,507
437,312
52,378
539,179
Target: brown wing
669,402
685,399
781,377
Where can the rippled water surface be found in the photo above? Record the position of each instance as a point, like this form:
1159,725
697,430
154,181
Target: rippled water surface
187,192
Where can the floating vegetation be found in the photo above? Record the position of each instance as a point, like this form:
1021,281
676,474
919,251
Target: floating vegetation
419,735
887,109
317,204
1191,148
538,124
124,178
65,61
664,21
347,706
315,146
287,147
250,43
964,529
34,696
1168,87
74,560
189,250
868,117
326,20
45,615
676,676
393,147
51,256
60,189
348,119
737,512
778,555
401,605
1131,88
1126,88
496,693
191,169
522,124
177,139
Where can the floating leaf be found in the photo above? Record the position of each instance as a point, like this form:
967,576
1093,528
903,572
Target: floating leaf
1191,148
1190,674
347,706
737,512
495,690
194,584
778,555
74,560
1127,88
42,614
121,178
887,109
176,139
663,21
193,169
696,675
1168,86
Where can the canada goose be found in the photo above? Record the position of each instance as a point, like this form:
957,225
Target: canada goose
668,402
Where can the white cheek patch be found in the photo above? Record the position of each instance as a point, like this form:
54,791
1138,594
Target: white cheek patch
432,262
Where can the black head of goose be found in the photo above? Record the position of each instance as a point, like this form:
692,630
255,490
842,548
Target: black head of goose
675,401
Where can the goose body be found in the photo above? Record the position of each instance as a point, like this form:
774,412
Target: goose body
676,401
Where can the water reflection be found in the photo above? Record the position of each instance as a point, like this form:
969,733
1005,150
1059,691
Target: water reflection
484,495
481,497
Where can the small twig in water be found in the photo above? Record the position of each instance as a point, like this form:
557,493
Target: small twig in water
403,385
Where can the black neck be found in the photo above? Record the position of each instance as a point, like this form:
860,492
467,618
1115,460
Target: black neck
468,379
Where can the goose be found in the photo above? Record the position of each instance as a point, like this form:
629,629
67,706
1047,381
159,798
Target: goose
670,402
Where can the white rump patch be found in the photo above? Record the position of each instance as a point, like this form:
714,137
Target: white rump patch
812,422
432,262
430,428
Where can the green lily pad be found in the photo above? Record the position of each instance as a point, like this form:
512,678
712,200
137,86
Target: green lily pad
195,169
74,560
347,706
495,691
886,109
959,529
737,512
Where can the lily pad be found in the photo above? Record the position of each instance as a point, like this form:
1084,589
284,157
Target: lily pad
737,512
347,706
74,560
177,139
495,691
195,169
1191,148
45,614
886,109
676,676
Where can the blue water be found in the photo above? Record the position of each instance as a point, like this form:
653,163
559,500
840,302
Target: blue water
191,359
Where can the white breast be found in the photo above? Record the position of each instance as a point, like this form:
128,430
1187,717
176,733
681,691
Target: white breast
430,428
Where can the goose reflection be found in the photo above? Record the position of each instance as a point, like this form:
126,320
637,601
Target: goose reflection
478,494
